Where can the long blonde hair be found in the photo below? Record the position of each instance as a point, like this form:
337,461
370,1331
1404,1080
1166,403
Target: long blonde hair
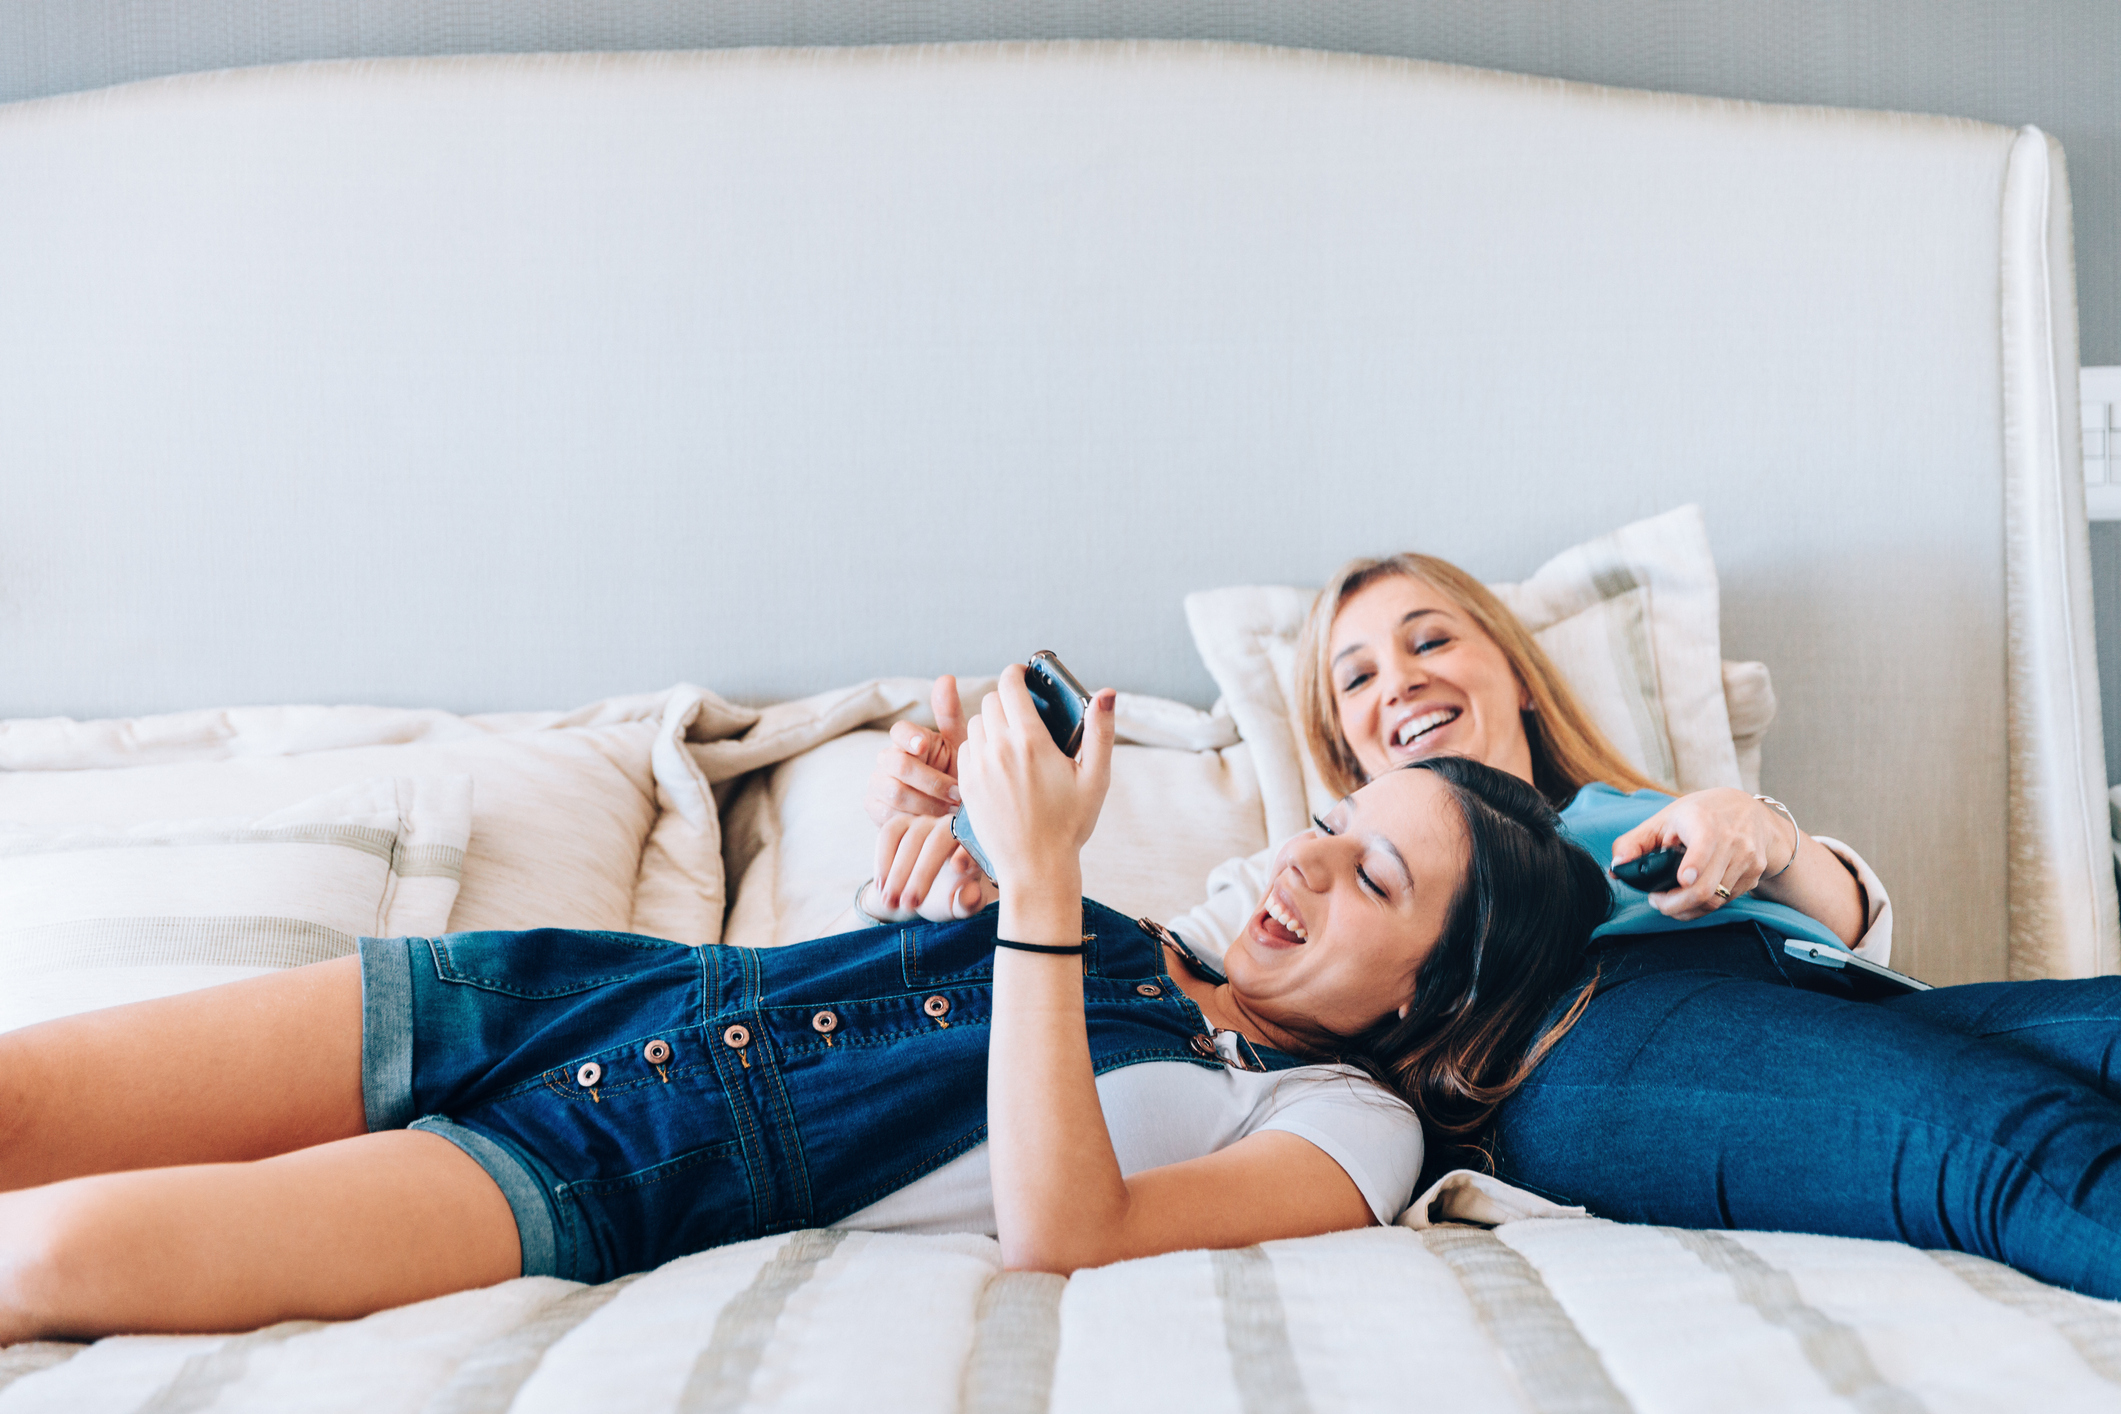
1568,752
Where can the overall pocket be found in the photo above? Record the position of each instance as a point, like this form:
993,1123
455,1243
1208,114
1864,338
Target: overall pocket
547,962
641,1220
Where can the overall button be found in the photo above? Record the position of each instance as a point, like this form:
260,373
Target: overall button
1148,989
825,1023
656,1052
589,1075
937,1007
1204,1047
736,1037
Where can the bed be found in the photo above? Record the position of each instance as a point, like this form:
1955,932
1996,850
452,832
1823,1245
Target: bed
470,390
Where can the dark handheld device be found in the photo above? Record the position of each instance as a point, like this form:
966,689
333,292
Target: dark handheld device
1652,873
1866,978
1062,706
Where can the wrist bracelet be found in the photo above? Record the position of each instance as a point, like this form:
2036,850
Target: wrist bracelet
1796,838
1058,949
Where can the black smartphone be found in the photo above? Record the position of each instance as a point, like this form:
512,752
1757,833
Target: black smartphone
1867,978
1063,705
1652,873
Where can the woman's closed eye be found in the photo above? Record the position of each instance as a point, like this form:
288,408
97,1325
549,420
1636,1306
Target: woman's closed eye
1359,678
1362,875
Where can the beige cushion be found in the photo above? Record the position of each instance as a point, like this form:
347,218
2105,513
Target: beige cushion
1749,696
1630,619
799,842
1651,664
96,915
596,818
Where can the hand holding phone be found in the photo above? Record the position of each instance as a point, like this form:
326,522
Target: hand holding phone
1652,873
1063,705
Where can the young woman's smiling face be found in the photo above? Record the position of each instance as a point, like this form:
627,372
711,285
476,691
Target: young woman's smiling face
1353,909
1412,676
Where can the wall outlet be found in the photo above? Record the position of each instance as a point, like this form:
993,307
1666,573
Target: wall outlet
2099,396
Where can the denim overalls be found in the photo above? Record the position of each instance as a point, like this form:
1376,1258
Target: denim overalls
637,1100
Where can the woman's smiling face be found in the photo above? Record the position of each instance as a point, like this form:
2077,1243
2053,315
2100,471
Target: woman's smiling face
1354,909
1412,676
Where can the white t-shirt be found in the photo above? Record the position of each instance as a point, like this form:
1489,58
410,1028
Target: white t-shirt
1165,1112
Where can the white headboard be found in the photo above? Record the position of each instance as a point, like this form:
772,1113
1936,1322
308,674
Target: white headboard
516,381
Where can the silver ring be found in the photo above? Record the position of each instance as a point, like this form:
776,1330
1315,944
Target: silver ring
1722,892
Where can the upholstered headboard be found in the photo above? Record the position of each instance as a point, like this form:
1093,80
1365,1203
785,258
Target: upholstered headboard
512,382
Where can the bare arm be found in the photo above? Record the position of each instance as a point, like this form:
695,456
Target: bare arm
1060,1201
1820,886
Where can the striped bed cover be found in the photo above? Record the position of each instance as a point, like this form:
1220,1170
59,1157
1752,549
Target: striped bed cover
1583,1316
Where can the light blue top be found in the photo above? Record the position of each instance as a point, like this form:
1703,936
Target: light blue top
1600,815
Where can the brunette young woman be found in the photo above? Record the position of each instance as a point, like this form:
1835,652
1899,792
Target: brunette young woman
1711,1080
442,1113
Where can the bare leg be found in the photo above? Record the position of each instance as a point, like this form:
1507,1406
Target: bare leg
241,1071
332,1232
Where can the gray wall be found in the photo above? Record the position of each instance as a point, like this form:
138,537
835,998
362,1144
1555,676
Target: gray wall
2052,62
2056,63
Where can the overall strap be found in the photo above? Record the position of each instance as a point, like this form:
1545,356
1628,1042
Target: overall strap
1195,963
1230,1048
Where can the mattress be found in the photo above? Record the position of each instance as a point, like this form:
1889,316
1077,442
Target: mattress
1539,1315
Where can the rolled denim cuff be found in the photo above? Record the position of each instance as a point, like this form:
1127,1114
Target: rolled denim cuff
386,1032
537,1233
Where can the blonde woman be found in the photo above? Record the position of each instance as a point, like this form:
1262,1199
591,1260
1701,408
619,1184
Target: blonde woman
1710,1080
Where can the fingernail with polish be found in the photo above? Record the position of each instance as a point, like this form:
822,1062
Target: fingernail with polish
955,798
1688,876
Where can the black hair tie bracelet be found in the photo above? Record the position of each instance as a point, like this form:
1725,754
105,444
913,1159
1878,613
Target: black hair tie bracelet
1057,948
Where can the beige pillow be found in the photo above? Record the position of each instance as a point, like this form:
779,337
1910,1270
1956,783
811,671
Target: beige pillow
596,818
799,842
1749,697
96,915
1631,619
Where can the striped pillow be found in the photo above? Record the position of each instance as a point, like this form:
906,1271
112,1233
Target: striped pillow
93,916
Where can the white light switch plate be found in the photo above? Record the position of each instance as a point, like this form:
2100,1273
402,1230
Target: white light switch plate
2099,395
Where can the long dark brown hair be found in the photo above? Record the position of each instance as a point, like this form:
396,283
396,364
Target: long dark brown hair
1512,943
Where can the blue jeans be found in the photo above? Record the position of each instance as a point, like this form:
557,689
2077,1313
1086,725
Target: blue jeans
1709,1085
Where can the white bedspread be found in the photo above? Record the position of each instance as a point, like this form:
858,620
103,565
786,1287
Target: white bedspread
1532,1316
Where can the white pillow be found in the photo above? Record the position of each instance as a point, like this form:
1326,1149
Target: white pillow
596,818
1630,619
799,842
97,915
